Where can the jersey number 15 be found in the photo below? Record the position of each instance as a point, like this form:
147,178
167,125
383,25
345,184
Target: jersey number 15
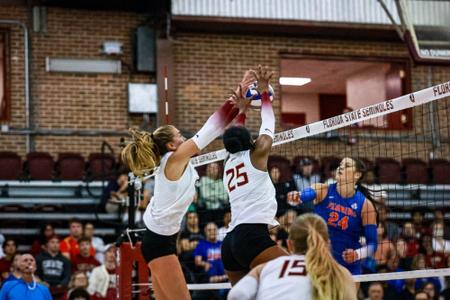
236,173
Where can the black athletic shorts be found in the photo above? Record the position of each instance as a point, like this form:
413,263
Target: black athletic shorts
156,245
242,245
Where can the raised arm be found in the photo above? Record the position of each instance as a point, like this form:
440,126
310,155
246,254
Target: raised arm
263,143
213,128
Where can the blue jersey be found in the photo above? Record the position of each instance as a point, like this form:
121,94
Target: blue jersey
20,290
343,217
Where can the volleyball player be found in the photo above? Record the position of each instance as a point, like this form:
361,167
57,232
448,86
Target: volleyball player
348,211
250,190
309,273
167,153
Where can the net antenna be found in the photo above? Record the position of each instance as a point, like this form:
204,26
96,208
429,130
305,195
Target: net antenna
424,26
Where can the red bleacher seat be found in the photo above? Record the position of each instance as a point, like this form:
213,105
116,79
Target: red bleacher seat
100,166
10,166
40,165
70,166
389,170
440,171
415,171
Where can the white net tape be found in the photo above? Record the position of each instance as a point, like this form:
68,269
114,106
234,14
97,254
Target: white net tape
356,278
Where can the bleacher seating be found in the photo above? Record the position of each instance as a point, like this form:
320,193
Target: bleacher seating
388,170
415,171
25,206
10,166
100,166
39,166
440,171
70,166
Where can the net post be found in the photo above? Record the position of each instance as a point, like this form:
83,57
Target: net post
125,268
143,272
131,199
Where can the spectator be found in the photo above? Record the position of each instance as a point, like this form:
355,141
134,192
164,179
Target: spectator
281,190
430,289
102,282
79,280
422,295
84,261
409,290
385,246
401,248
332,177
189,238
285,223
15,271
418,263
208,258
419,226
412,243
376,291
69,246
79,294
446,292
54,268
222,232
433,259
115,193
304,179
439,244
393,231
9,248
439,217
26,287
96,242
392,265
211,194
47,230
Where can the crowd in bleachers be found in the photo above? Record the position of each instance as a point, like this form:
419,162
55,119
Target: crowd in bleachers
82,262
79,264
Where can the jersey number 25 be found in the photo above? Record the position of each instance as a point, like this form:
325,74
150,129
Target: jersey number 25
236,173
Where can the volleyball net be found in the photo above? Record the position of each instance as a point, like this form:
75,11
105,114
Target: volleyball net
405,146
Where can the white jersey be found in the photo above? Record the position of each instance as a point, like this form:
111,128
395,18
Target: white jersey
285,278
171,200
251,192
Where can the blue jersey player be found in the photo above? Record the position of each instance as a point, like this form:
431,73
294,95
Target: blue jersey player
347,209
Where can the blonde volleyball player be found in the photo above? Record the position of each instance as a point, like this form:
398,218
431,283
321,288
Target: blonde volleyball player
250,190
310,273
168,153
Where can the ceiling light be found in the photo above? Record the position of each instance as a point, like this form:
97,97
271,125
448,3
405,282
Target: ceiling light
297,81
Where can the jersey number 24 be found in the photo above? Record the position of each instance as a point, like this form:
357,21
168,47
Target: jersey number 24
333,220
236,177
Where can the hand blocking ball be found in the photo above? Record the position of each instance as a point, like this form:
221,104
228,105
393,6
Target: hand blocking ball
253,95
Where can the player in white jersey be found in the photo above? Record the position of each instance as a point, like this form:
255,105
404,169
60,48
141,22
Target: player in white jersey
310,273
250,190
167,153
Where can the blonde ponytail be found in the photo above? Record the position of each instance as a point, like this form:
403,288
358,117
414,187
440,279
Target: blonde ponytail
144,152
330,281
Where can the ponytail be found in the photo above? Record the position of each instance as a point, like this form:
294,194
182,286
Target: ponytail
309,234
144,152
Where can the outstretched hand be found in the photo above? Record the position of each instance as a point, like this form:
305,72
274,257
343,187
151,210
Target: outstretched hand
239,100
263,76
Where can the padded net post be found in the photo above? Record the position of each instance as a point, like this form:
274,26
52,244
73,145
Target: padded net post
129,257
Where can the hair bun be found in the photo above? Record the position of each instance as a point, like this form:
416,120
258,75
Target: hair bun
234,145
